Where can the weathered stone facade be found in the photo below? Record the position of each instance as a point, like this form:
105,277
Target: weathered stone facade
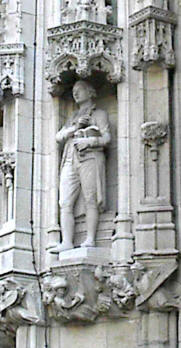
90,227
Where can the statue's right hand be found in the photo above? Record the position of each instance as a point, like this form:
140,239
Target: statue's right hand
70,131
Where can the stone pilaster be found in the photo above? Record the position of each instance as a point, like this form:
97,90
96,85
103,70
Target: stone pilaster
153,53
155,232
16,77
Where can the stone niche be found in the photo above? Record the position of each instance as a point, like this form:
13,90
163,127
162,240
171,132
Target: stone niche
85,47
106,100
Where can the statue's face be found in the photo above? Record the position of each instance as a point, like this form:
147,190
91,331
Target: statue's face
81,93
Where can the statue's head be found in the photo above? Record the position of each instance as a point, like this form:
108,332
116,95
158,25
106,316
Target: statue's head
83,91
60,286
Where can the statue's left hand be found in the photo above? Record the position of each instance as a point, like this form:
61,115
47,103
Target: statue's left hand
81,144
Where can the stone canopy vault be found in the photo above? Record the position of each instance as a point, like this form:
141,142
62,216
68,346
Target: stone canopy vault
90,173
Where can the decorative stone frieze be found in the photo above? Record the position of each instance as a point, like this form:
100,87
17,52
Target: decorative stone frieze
86,293
16,308
152,29
84,47
12,67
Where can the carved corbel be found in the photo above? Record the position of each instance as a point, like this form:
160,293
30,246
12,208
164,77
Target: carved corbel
152,27
87,295
12,68
15,308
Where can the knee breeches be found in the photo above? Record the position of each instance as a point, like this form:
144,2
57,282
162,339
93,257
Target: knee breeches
73,178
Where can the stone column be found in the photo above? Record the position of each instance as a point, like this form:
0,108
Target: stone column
53,180
155,213
176,140
122,247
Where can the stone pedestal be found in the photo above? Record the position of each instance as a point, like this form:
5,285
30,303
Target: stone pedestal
86,256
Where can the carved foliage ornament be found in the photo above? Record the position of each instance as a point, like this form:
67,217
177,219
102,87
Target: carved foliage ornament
154,133
84,47
152,29
12,67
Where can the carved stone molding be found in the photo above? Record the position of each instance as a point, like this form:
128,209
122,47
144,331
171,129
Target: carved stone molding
15,306
152,29
12,67
84,47
86,294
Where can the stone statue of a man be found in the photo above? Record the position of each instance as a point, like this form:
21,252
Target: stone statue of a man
84,137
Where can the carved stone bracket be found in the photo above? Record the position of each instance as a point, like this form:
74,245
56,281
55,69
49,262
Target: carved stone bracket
12,67
83,47
16,308
152,29
87,293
